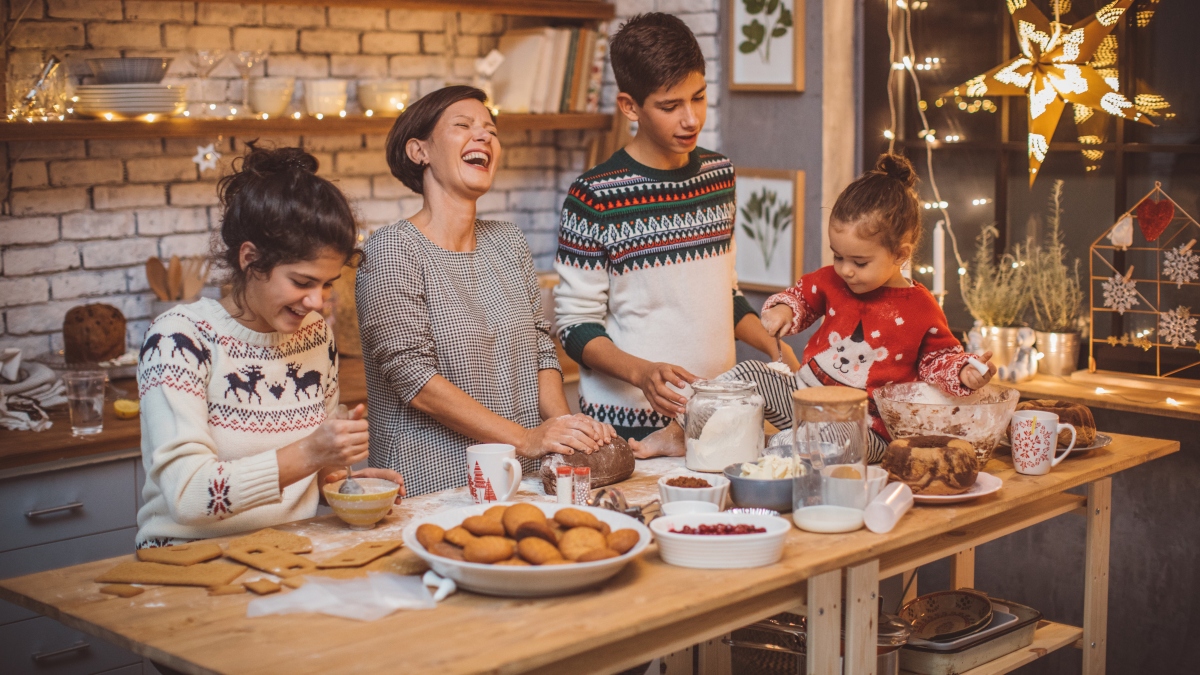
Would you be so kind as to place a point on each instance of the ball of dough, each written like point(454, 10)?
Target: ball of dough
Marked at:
point(537, 551)
point(482, 526)
point(622, 541)
point(488, 550)
point(580, 540)
point(570, 518)
point(521, 513)
point(429, 534)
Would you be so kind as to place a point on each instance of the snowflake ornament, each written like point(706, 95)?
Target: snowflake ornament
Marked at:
point(206, 157)
point(1120, 293)
point(1177, 326)
point(1181, 265)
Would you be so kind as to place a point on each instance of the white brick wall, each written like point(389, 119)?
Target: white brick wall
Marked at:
point(81, 217)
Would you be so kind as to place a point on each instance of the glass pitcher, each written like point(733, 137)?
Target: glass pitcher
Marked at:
point(724, 424)
point(829, 437)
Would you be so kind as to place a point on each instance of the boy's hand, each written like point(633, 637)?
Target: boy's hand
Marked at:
point(777, 320)
point(971, 378)
point(653, 379)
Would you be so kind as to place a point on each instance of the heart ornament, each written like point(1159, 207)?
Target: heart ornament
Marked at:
point(1153, 217)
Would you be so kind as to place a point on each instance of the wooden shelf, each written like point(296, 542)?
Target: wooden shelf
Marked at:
point(1049, 637)
point(555, 9)
point(305, 126)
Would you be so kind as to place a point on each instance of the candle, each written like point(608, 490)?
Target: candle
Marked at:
point(939, 258)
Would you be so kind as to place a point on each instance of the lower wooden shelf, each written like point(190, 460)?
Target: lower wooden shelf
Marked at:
point(1049, 637)
point(305, 126)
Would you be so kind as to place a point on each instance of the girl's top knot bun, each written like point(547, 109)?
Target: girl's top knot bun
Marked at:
point(898, 167)
point(263, 162)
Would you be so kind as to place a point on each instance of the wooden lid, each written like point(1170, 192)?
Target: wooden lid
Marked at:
point(829, 396)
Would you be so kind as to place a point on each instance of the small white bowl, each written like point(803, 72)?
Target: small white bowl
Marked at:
point(715, 494)
point(383, 97)
point(325, 97)
point(689, 506)
point(729, 551)
point(271, 95)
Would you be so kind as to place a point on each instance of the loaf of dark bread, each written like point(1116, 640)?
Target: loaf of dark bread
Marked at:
point(1078, 416)
point(93, 333)
point(612, 463)
point(932, 465)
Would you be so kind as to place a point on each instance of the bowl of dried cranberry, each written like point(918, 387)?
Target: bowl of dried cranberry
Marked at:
point(704, 487)
point(720, 540)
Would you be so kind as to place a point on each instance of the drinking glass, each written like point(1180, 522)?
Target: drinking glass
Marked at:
point(245, 62)
point(204, 61)
point(85, 398)
point(829, 437)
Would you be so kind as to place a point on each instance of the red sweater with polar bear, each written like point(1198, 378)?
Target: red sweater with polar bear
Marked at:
point(872, 339)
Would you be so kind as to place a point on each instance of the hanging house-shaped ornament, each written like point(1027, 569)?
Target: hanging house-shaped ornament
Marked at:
point(1145, 293)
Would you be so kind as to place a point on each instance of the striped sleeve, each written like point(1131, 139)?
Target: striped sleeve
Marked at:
point(581, 297)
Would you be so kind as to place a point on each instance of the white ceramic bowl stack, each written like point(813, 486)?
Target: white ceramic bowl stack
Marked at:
point(383, 97)
point(271, 95)
point(126, 101)
point(325, 97)
point(720, 551)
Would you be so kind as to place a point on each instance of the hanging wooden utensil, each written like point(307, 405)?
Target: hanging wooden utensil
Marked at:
point(193, 282)
point(175, 278)
point(156, 275)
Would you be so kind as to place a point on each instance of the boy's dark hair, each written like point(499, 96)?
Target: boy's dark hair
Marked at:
point(883, 203)
point(418, 121)
point(275, 201)
point(651, 51)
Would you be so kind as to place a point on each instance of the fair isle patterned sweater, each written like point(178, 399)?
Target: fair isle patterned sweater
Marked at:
point(646, 259)
point(217, 401)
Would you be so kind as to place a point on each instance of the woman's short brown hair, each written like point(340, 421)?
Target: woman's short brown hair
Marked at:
point(882, 203)
point(418, 121)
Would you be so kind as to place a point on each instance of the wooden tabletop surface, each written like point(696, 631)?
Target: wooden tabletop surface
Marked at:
point(189, 630)
point(1114, 397)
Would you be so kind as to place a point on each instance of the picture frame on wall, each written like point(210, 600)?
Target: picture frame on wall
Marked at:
point(766, 45)
point(769, 229)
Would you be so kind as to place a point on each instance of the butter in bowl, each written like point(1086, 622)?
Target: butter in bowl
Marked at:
point(765, 484)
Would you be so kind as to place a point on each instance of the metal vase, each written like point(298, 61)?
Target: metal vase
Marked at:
point(1001, 342)
point(1060, 353)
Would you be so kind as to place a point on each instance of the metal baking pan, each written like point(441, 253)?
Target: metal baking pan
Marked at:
point(1001, 620)
point(975, 652)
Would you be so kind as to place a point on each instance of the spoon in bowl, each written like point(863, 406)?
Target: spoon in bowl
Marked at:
point(349, 486)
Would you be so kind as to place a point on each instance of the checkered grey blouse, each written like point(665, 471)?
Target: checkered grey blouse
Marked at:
point(474, 318)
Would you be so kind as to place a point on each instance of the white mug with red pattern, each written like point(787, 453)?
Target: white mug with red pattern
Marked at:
point(493, 472)
point(1034, 435)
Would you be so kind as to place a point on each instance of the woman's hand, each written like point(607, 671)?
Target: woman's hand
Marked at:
point(971, 378)
point(564, 435)
point(653, 379)
point(386, 474)
point(777, 320)
point(338, 442)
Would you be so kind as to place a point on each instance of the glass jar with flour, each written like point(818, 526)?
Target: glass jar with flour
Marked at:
point(724, 424)
point(829, 440)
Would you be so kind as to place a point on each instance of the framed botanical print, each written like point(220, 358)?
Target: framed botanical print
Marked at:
point(766, 45)
point(769, 228)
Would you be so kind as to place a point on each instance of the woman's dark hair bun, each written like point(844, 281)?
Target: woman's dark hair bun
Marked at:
point(262, 161)
point(898, 167)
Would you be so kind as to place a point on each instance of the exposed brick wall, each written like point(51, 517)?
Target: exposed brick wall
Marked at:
point(81, 217)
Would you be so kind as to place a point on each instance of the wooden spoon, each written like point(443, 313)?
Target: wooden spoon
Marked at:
point(193, 277)
point(175, 278)
point(156, 275)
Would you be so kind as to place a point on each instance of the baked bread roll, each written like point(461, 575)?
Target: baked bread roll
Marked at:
point(932, 465)
point(1078, 416)
point(93, 333)
point(612, 463)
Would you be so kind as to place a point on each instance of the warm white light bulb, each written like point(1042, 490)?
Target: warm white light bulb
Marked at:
point(1171, 401)
point(369, 113)
point(320, 116)
point(887, 133)
point(1101, 390)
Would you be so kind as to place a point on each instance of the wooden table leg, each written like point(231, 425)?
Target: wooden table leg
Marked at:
point(824, 623)
point(862, 613)
point(1095, 589)
point(962, 569)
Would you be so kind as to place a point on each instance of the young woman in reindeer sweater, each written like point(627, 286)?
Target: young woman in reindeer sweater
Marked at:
point(238, 395)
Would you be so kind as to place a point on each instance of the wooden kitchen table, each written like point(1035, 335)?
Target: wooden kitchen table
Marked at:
point(648, 610)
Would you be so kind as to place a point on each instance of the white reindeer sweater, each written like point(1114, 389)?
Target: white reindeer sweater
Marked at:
point(217, 401)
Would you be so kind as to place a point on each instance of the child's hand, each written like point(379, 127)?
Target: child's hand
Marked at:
point(971, 378)
point(777, 320)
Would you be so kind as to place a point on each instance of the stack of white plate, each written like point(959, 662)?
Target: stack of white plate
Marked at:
point(120, 101)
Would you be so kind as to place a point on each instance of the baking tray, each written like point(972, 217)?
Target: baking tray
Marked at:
point(1000, 621)
point(1017, 634)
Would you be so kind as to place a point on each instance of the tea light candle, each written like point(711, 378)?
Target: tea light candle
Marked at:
point(939, 258)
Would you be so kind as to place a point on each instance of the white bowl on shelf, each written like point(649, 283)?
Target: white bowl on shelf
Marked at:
point(533, 581)
point(271, 95)
point(715, 494)
point(324, 97)
point(720, 551)
point(383, 97)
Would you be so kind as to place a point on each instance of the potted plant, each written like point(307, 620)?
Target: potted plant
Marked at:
point(1055, 298)
point(995, 294)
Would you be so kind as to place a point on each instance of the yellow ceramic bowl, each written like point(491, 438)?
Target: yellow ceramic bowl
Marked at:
point(361, 512)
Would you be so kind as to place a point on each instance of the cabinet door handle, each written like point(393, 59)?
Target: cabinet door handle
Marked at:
point(42, 657)
point(54, 509)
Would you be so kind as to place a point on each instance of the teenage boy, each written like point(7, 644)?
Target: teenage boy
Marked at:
point(648, 299)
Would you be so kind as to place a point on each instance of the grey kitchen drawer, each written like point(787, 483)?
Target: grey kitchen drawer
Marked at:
point(49, 507)
point(43, 646)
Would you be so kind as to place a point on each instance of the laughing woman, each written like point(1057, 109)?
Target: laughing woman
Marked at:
point(454, 343)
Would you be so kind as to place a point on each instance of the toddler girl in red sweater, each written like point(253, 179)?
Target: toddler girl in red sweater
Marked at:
point(879, 327)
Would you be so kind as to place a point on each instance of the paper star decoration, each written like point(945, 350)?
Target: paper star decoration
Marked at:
point(206, 157)
point(1054, 68)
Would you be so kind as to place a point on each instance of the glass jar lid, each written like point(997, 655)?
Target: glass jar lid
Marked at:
point(724, 386)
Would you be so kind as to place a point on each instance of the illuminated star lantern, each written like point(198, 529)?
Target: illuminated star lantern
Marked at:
point(206, 157)
point(1054, 68)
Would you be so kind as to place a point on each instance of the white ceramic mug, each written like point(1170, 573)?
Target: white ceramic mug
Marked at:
point(1034, 435)
point(493, 472)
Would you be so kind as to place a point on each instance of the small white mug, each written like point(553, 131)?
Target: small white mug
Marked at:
point(1034, 435)
point(493, 472)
